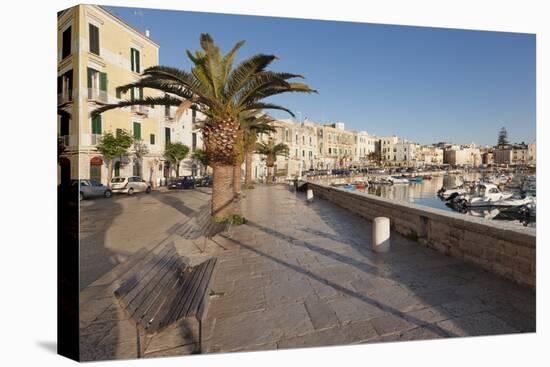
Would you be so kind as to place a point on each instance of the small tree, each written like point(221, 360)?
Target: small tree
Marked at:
point(140, 150)
point(502, 137)
point(112, 146)
point(175, 153)
point(201, 156)
point(271, 151)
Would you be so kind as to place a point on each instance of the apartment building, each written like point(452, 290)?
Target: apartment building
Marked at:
point(97, 53)
point(515, 154)
point(462, 155)
point(429, 154)
point(365, 144)
point(336, 145)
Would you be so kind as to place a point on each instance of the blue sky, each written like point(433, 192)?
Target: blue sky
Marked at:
point(424, 84)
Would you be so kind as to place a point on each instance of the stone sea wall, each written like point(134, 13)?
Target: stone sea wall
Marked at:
point(499, 247)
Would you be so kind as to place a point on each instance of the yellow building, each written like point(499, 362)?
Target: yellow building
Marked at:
point(98, 52)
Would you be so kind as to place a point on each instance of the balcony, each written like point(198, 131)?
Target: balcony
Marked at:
point(95, 139)
point(97, 95)
point(140, 110)
point(63, 98)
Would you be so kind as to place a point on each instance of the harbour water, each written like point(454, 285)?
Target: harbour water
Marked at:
point(425, 193)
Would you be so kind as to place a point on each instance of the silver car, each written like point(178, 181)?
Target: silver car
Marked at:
point(90, 188)
point(130, 185)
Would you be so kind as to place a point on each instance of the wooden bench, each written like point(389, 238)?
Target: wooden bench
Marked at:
point(166, 290)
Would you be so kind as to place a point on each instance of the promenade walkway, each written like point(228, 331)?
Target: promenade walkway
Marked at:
point(300, 275)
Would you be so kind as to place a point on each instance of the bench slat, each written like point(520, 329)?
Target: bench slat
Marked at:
point(201, 270)
point(132, 281)
point(144, 281)
point(202, 290)
point(157, 285)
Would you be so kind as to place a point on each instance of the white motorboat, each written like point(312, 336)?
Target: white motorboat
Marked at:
point(398, 180)
point(450, 194)
point(484, 195)
point(514, 202)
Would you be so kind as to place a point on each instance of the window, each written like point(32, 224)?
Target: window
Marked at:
point(66, 43)
point(152, 139)
point(134, 60)
point(137, 132)
point(64, 125)
point(303, 153)
point(94, 39)
point(97, 80)
point(193, 114)
point(117, 169)
point(167, 110)
point(136, 171)
point(167, 135)
point(65, 86)
point(136, 92)
point(96, 124)
point(194, 142)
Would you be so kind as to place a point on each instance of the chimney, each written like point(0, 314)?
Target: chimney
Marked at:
point(147, 33)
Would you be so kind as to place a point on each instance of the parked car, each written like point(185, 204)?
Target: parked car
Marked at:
point(205, 181)
point(129, 185)
point(185, 182)
point(89, 188)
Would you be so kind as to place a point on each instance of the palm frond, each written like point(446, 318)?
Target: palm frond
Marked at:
point(266, 106)
point(242, 73)
point(166, 100)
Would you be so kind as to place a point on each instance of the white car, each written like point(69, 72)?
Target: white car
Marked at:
point(129, 185)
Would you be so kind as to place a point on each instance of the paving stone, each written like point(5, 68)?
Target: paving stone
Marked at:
point(351, 309)
point(260, 327)
point(482, 323)
point(322, 316)
point(428, 315)
point(238, 301)
point(181, 334)
point(285, 292)
point(340, 335)
point(389, 324)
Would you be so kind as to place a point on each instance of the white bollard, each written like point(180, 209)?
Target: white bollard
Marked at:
point(381, 234)
point(309, 194)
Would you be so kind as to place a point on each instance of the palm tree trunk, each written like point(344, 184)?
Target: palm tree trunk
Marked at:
point(248, 170)
point(222, 191)
point(237, 179)
point(177, 169)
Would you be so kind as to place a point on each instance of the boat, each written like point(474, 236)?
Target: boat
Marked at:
point(427, 177)
point(360, 184)
point(398, 180)
point(416, 179)
point(349, 187)
point(485, 195)
point(449, 194)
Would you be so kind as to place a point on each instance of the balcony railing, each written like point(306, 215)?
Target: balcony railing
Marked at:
point(95, 139)
point(65, 140)
point(97, 95)
point(63, 98)
point(141, 110)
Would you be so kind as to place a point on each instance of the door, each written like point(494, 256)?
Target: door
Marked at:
point(95, 169)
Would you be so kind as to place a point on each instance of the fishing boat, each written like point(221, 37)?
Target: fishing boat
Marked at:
point(360, 184)
point(427, 177)
point(398, 180)
point(349, 187)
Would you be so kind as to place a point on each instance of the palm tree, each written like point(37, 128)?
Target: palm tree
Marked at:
point(201, 156)
point(271, 151)
point(220, 92)
point(253, 123)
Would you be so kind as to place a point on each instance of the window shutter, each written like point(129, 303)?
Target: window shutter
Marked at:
point(103, 81)
point(132, 94)
point(140, 93)
point(96, 124)
point(137, 130)
point(66, 46)
point(94, 39)
point(137, 61)
point(90, 76)
point(59, 84)
point(118, 94)
point(132, 59)
point(152, 139)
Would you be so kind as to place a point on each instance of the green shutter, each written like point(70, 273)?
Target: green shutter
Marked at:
point(137, 61)
point(152, 140)
point(140, 93)
point(137, 130)
point(132, 94)
point(118, 94)
point(96, 124)
point(90, 75)
point(103, 81)
point(132, 59)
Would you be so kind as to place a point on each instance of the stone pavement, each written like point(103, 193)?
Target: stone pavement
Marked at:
point(301, 275)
